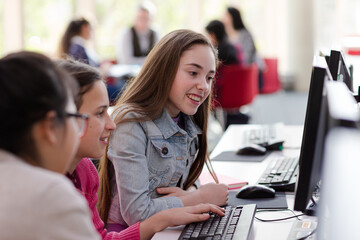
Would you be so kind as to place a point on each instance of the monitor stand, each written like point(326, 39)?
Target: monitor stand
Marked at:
point(312, 206)
point(357, 95)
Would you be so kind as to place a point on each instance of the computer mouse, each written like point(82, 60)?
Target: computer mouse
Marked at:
point(252, 149)
point(276, 145)
point(256, 191)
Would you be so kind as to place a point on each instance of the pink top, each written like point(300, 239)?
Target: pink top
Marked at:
point(86, 180)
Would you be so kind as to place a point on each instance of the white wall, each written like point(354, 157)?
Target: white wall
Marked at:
point(12, 21)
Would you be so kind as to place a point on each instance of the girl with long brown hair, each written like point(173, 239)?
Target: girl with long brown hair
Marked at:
point(159, 147)
point(93, 102)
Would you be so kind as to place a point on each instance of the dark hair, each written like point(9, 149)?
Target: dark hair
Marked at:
point(84, 74)
point(73, 29)
point(31, 85)
point(218, 29)
point(236, 18)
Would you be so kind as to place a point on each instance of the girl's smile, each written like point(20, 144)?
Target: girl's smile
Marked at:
point(193, 80)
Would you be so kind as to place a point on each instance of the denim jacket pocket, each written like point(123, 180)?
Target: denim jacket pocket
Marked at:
point(163, 148)
point(160, 162)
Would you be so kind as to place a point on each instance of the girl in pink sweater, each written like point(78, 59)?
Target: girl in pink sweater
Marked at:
point(93, 101)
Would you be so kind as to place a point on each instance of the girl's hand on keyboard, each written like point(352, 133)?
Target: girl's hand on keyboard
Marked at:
point(177, 216)
point(197, 213)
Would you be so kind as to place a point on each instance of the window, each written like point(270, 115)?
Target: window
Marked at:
point(113, 15)
point(1, 31)
point(44, 24)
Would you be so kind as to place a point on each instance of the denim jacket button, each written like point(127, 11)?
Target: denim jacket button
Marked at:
point(165, 150)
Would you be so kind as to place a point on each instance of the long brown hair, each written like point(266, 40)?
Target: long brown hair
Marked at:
point(85, 75)
point(148, 94)
point(73, 29)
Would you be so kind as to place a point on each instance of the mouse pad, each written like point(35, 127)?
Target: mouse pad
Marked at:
point(232, 156)
point(278, 202)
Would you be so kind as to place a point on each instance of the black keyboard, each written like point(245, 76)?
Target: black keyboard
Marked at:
point(263, 134)
point(236, 224)
point(281, 173)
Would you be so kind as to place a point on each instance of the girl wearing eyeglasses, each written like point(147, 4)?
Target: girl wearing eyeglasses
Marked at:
point(92, 101)
point(159, 147)
point(39, 135)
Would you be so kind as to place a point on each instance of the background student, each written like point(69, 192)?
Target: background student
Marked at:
point(75, 42)
point(240, 35)
point(39, 136)
point(93, 101)
point(136, 42)
point(227, 53)
point(160, 138)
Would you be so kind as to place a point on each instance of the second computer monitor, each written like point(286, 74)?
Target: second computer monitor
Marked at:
point(337, 108)
point(339, 69)
point(339, 204)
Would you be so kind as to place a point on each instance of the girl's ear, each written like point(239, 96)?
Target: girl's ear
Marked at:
point(46, 130)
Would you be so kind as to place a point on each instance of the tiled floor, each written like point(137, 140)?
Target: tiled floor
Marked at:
point(286, 107)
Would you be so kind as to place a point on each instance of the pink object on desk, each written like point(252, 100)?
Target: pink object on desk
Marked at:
point(232, 182)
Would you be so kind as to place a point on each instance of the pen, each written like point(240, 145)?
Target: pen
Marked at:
point(237, 185)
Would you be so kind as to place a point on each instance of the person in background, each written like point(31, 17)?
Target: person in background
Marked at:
point(92, 100)
point(228, 55)
point(40, 131)
point(74, 43)
point(159, 147)
point(239, 35)
point(227, 52)
point(136, 42)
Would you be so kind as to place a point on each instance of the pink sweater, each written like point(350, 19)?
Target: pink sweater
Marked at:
point(86, 180)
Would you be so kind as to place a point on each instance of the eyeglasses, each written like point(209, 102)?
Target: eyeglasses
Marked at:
point(82, 121)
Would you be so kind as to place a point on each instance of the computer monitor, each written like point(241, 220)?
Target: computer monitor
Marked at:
point(305, 184)
point(339, 204)
point(327, 58)
point(342, 109)
point(339, 69)
point(334, 60)
point(337, 108)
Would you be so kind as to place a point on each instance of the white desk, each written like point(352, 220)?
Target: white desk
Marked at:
point(251, 171)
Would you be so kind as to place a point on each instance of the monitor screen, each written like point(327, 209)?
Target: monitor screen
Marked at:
point(339, 69)
point(338, 108)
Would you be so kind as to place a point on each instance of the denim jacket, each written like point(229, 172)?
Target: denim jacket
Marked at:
point(148, 155)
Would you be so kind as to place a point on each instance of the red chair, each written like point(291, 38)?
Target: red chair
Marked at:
point(237, 86)
point(271, 82)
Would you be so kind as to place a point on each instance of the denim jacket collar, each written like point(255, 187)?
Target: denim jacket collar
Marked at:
point(168, 127)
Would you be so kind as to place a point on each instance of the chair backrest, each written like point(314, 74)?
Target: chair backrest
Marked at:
point(271, 82)
point(239, 86)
